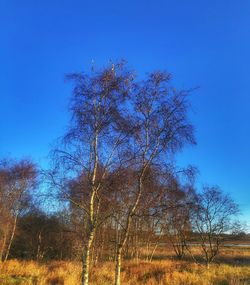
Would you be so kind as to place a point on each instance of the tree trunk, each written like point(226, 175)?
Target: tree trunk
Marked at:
point(11, 239)
point(153, 252)
point(38, 253)
point(136, 242)
point(3, 247)
point(86, 259)
point(118, 266)
point(156, 245)
point(92, 219)
point(126, 232)
point(148, 249)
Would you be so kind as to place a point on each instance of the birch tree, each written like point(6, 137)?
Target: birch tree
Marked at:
point(160, 116)
point(180, 201)
point(99, 126)
point(17, 179)
point(213, 216)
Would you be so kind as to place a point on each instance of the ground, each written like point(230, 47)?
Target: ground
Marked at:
point(231, 268)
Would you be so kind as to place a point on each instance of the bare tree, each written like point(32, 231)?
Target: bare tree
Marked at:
point(178, 217)
point(213, 217)
point(98, 129)
point(17, 179)
point(161, 128)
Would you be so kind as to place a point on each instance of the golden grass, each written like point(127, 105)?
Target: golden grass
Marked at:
point(30, 272)
point(163, 272)
point(158, 272)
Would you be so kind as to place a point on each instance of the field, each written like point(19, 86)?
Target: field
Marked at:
point(231, 268)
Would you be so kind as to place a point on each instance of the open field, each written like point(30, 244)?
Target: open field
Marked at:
point(231, 268)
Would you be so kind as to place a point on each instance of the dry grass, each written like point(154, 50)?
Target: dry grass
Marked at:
point(30, 272)
point(164, 272)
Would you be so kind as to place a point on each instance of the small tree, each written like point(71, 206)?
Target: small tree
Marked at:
point(213, 217)
point(17, 179)
point(178, 217)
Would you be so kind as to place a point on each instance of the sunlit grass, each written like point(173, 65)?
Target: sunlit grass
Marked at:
point(159, 272)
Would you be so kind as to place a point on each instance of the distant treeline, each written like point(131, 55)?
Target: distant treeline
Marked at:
point(42, 237)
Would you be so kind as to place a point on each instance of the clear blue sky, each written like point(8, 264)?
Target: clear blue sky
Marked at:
point(203, 43)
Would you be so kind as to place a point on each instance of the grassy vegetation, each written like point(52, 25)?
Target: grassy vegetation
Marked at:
point(233, 268)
